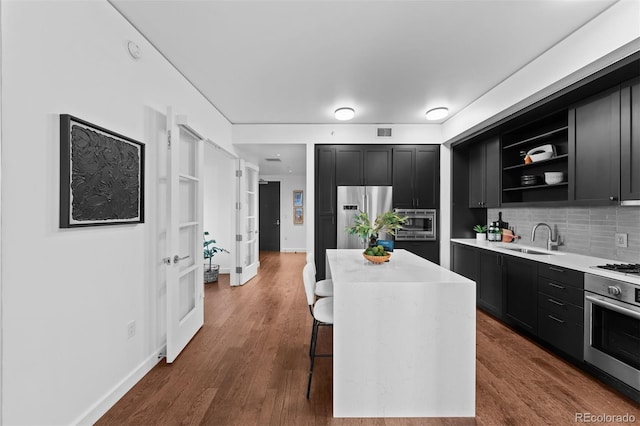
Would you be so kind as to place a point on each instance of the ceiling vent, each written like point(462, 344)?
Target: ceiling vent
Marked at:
point(275, 160)
point(384, 132)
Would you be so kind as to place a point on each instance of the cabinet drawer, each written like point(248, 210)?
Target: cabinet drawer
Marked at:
point(561, 333)
point(563, 275)
point(561, 291)
point(560, 308)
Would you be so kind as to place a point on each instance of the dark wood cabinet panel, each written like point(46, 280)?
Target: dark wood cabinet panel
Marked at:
point(484, 174)
point(594, 150)
point(465, 261)
point(403, 172)
point(425, 249)
point(562, 334)
point(377, 166)
point(489, 283)
point(325, 238)
point(416, 176)
point(349, 165)
point(521, 289)
point(325, 180)
point(427, 177)
point(630, 141)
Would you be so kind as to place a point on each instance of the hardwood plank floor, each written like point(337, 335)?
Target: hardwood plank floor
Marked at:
point(248, 365)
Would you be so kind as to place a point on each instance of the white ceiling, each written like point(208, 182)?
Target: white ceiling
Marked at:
point(285, 62)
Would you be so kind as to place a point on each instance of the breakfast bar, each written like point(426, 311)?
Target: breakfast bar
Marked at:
point(404, 337)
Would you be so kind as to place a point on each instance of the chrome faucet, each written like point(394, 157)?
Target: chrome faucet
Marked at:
point(552, 244)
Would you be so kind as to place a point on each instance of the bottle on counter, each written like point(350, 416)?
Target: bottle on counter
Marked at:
point(494, 232)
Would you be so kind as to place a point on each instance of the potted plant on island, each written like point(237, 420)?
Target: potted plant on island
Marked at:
point(481, 232)
point(388, 222)
point(211, 271)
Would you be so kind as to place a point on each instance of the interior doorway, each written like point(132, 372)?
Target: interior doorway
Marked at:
point(269, 213)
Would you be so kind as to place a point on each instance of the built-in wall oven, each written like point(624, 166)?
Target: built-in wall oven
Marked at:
point(420, 225)
point(612, 327)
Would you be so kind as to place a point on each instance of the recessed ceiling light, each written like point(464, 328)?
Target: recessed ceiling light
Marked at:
point(437, 113)
point(344, 114)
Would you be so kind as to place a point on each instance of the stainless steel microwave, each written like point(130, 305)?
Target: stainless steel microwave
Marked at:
point(419, 226)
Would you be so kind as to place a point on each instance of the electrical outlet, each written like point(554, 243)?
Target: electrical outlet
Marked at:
point(131, 329)
point(621, 240)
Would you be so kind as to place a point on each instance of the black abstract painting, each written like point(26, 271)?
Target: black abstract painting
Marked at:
point(101, 176)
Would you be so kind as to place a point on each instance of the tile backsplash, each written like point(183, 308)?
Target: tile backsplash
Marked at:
point(583, 230)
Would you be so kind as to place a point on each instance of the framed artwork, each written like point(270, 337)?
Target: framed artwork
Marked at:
point(297, 198)
point(101, 176)
point(298, 215)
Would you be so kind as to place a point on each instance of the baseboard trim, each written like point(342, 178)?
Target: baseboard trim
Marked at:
point(100, 407)
point(293, 250)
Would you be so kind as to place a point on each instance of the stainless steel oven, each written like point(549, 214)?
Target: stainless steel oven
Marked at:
point(419, 226)
point(612, 327)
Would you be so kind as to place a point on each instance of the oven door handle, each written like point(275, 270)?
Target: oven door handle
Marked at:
point(608, 305)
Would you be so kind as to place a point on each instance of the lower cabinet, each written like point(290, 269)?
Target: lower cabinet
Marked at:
point(489, 282)
point(429, 250)
point(520, 292)
point(541, 299)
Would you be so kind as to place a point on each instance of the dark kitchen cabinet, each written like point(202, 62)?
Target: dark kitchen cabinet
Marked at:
point(484, 174)
point(594, 149)
point(630, 141)
point(560, 309)
point(325, 200)
point(416, 176)
point(429, 250)
point(465, 260)
point(520, 293)
point(489, 282)
point(363, 165)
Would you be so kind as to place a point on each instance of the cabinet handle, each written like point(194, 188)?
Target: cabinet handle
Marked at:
point(556, 319)
point(556, 286)
point(556, 269)
point(555, 302)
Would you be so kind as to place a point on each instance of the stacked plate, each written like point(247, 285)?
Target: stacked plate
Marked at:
point(527, 180)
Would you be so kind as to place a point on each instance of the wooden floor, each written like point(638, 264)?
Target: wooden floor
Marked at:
point(248, 365)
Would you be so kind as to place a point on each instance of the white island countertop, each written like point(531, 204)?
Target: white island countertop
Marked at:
point(404, 337)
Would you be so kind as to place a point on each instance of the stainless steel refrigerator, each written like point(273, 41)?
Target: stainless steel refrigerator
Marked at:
point(354, 199)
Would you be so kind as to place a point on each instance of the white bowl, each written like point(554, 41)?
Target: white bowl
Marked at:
point(551, 178)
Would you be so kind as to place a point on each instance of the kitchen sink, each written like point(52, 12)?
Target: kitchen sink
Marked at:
point(526, 250)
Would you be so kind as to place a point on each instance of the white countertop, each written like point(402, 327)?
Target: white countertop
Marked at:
point(561, 259)
point(348, 265)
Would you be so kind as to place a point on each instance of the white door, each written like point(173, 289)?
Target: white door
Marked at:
point(184, 261)
point(247, 223)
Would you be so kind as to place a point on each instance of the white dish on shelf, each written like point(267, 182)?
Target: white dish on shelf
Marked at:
point(551, 178)
point(543, 152)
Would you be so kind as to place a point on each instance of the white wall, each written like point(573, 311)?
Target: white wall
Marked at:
point(293, 238)
point(219, 214)
point(68, 295)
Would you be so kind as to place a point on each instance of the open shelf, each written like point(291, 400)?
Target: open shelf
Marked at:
point(552, 129)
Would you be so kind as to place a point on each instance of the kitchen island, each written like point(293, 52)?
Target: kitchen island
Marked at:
point(403, 337)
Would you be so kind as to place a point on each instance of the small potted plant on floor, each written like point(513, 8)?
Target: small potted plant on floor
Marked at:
point(481, 232)
point(210, 270)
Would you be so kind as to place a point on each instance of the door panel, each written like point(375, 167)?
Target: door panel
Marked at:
point(247, 223)
point(269, 216)
point(185, 284)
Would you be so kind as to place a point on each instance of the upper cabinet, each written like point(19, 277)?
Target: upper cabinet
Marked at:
point(363, 165)
point(594, 149)
point(630, 141)
point(416, 176)
point(530, 151)
point(484, 174)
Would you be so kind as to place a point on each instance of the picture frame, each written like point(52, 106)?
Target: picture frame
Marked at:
point(298, 215)
point(298, 200)
point(101, 176)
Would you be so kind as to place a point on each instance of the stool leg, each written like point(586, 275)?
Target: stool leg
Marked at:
point(314, 340)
